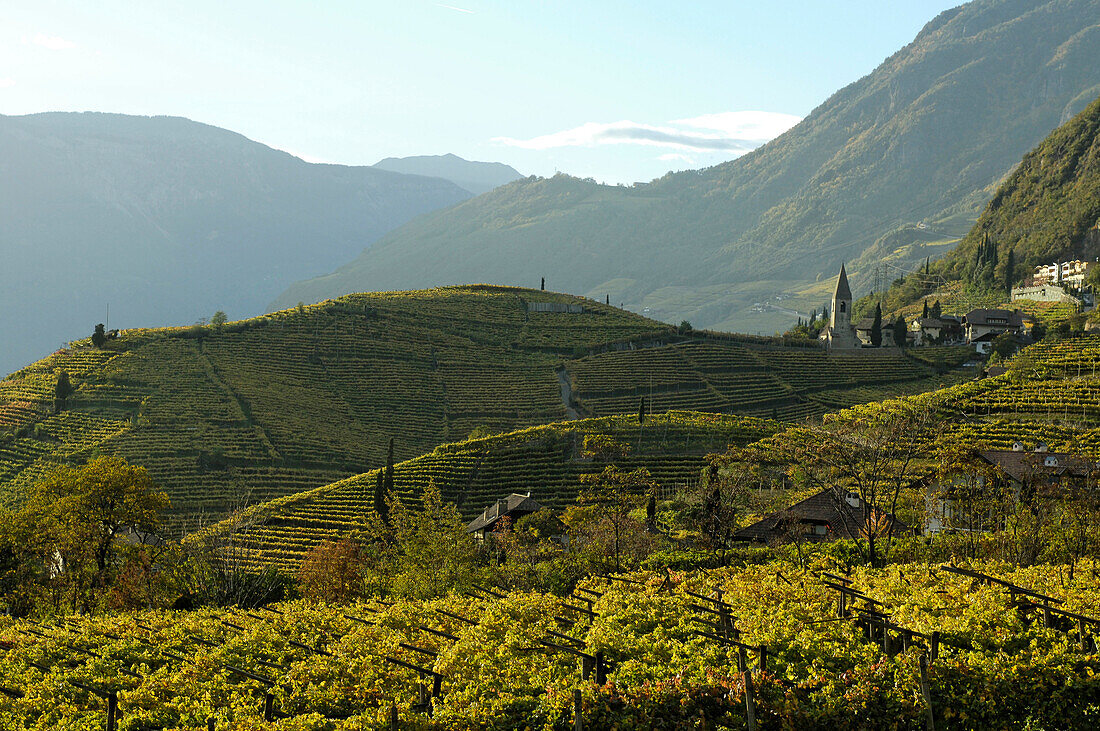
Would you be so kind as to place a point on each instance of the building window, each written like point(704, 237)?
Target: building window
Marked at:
point(842, 307)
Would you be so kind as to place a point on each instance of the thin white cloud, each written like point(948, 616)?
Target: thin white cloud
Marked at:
point(736, 132)
point(743, 125)
point(676, 157)
point(54, 43)
point(7, 83)
point(452, 7)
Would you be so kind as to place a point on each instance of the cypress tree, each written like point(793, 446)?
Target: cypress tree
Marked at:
point(387, 483)
point(924, 313)
point(651, 513)
point(99, 336)
point(926, 259)
point(1010, 270)
point(61, 391)
point(899, 332)
point(876, 328)
point(641, 410)
point(543, 285)
point(936, 309)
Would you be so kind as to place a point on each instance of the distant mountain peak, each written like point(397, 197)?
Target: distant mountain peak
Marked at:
point(476, 177)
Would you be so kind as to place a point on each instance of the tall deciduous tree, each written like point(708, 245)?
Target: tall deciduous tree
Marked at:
point(79, 515)
point(607, 525)
point(873, 453)
point(436, 554)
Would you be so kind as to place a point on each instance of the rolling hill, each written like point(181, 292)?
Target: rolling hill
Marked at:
point(166, 220)
point(1051, 395)
point(475, 177)
point(923, 139)
point(260, 408)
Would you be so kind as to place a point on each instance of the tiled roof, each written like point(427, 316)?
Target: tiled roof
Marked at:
point(824, 507)
point(1025, 466)
point(994, 318)
point(512, 505)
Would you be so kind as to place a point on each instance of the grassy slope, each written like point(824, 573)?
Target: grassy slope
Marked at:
point(1051, 395)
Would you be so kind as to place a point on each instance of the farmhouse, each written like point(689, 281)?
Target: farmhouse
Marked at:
point(982, 326)
point(830, 514)
point(514, 507)
point(953, 506)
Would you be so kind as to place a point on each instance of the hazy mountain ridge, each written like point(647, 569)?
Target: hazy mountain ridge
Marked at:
point(475, 177)
point(938, 123)
point(168, 220)
point(1047, 210)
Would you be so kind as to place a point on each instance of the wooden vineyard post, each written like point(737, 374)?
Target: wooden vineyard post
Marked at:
point(578, 721)
point(746, 675)
point(112, 711)
point(601, 668)
point(393, 716)
point(269, 706)
point(926, 692)
point(934, 650)
point(210, 722)
point(841, 610)
point(762, 659)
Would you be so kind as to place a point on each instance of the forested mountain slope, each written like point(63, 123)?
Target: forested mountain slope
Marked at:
point(166, 220)
point(923, 138)
point(1048, 210)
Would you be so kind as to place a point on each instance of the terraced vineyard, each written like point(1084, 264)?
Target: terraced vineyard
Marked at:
point(225, 417)
point(546, 461)
point(1050, 395)
point(731, 377)
point(301, 398)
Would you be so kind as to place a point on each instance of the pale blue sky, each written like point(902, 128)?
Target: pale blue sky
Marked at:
point(569, 85)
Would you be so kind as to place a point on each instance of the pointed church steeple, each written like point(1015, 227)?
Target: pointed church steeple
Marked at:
point(843, 291)
point(840, 333)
